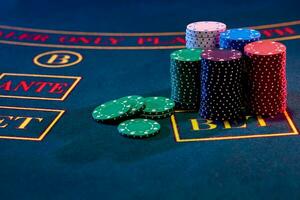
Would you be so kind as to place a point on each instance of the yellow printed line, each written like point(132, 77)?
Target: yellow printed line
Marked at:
point(71, 88)
point(40, 75)
point(285, 38)
point(51, 125)
point(175, 128)
point(29, 97)
point(20, 138)
point(47, 31)
point(236, 137)
point(276, 25)
point(33, 109)
point(291, 123)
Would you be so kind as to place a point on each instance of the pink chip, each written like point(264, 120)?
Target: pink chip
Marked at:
point(207, 26)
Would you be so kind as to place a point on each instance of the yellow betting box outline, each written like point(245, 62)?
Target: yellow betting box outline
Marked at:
point(178, 139)
point(76, 78)
point(44, 133)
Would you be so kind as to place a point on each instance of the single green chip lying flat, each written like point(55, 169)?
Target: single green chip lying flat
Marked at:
point(139, 128)
point(111, 110)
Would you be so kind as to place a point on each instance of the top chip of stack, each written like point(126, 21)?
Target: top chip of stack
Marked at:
point(205, 28)
point(238, 38)
point(204, 35)
point(158, 108)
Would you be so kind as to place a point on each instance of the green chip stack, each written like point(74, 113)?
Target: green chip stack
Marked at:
point(185, 78)
point(158, 108)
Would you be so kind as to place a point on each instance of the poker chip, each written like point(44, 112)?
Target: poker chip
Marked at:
point(221, 84)
point(139, 128)
point(136, 102)
point(162, 116)
point(187, 106)
point(201, 44)
point(185, 78)
point(111, 111)
point(128, 107)
point(266, 77)
point(206, 28)
point(238, 38)
point(265, 48)
point(186, 55)
point(158, 106)
point(204, 34)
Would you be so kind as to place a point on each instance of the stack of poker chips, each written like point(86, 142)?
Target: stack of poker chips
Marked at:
point(158, 108)
point(221, 84)
point(185, 78)
point(267, 85)
point(135, 114)
point(238, 38)
point(204, 35)
point(134, 106)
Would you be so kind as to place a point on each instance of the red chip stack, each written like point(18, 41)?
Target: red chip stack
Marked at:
point(266, 73)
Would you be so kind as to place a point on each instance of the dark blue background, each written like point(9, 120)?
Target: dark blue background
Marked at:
point(80, 159)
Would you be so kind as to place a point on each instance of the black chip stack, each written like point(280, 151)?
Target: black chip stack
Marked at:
point(185, 78)
point(221, 84)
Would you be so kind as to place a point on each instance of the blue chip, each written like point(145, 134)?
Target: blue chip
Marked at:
point(238, 38)
point(241, 34)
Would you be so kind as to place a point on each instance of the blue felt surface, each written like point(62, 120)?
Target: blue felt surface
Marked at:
point(80, 159)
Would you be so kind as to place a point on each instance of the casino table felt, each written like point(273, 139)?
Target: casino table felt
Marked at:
point(61, 59)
